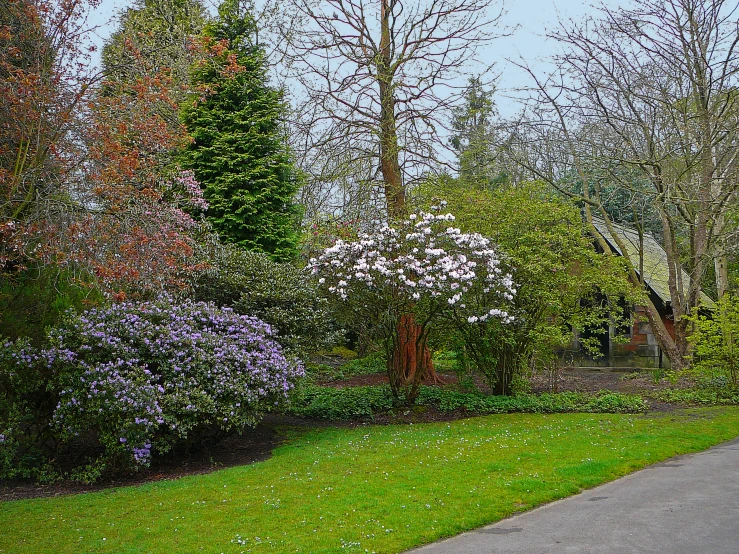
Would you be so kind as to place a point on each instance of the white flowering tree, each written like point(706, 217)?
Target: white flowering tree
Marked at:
point(402, 282)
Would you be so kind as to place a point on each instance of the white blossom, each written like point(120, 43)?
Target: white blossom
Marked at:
point(424, 258)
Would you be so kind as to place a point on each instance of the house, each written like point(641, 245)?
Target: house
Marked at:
point(640, 348)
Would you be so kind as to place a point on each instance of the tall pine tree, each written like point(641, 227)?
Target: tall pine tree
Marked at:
point(238, 152)
point(473, 138)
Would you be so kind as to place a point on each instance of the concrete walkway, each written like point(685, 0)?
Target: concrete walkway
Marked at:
point(688, 504)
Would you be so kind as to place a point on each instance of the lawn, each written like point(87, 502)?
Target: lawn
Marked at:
point(368, 489)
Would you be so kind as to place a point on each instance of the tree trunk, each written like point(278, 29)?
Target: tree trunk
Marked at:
point(504, 376)
point(389, 151)
point(674, 349)
point(411, 360)
point(409, 363)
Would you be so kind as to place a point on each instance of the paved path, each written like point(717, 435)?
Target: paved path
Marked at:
point(688, 504)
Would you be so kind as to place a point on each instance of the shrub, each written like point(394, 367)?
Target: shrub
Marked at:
point(716, 351)
point(25, 404)
point(448, 400)
point(368, 365)
point(33, 299)
point(699, 396)
point(328, 403)
point(363, 402)
point(371, 364)
point(278, 293)
point(137, 378)
point(400, 283)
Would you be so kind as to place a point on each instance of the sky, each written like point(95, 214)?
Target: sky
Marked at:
point(530, 18)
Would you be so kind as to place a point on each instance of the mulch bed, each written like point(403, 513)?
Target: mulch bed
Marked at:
point(257, 444)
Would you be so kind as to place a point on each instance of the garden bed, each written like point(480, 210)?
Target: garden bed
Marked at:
point(257, 444)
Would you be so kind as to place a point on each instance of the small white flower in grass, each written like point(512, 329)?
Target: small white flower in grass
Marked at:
point(473, 319)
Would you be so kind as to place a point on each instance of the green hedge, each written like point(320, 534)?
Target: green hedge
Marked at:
point(328, 403)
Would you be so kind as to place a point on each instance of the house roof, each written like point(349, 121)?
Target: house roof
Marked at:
point(656, 272)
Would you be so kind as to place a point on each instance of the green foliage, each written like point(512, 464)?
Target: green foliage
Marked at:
point(239, 153)
point(372, 364)
point(34, 299)
point(449, 400)
point(348, 403)
point(713, 396)
point(343, 352)
point(562, 283)
point(328, 403)
point(715, 347)
point(473, 137)
point(154, 37)
point(277, 293)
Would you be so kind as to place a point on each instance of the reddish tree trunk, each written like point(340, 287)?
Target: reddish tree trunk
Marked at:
point(410, 362)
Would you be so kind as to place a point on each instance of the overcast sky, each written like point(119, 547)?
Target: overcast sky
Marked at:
point(531, 17)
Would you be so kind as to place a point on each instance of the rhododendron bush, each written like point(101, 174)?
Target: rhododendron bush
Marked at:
point(404, 283)
point(138, 378)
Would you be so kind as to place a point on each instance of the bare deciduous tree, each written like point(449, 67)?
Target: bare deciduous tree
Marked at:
point(651, 91)
point(380, 76)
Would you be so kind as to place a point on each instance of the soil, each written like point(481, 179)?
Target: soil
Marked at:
point(257, 444)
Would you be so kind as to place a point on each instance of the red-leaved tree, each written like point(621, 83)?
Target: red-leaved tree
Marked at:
point(87, 182)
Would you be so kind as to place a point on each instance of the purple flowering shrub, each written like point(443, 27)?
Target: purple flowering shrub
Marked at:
point(146, 376)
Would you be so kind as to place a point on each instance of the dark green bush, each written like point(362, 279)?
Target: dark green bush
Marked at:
point(279, 294)
point(34, 299)
point(447, 400)
point(25, 403)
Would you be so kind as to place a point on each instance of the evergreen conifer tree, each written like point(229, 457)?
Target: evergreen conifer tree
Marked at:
point(473, 138)
point(238, 152)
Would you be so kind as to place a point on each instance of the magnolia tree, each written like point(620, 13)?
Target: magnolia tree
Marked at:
point(400, 284)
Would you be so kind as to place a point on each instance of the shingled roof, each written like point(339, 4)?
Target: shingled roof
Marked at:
point(656, 272)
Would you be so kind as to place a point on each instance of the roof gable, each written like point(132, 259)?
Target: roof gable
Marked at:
point(656, 272)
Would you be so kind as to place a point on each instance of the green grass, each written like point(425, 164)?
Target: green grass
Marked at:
point(373, 488)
